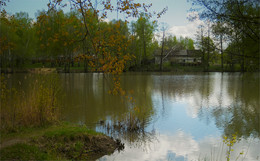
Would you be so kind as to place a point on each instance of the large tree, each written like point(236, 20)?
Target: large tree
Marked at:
point(219, 31)
point(207, 47)
point(143, 31)
point(242, 19)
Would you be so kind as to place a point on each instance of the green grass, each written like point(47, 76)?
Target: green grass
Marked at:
point(23, 151)
point(62, 129)
point(77, 67)
point(44, 143)
point(167, 66)
point(35, 65)
point(215, 68)
point(67, 130)
point(182, 68)
point(23, 133)
point(226, 68)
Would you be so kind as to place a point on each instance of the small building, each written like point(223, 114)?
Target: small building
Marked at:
point(191, 57)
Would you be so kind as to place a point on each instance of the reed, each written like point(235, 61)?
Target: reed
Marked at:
point(36, 106)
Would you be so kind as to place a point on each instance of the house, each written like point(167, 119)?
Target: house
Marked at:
point(190, 57)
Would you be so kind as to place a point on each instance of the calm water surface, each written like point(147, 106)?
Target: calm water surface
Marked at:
point(186, 114)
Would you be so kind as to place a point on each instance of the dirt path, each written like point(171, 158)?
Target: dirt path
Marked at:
point(21, 137)
point(12, 142)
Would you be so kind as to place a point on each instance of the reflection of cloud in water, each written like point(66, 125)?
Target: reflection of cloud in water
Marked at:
point(210, 94)
point(179, 144)
point(218, 97)
point(182, 146)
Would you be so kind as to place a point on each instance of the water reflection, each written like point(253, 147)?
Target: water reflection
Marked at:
point(186, 114)
point(238, 119)
point(182, 146)
point(87, 99)
point(230, 100)
point(135, 139)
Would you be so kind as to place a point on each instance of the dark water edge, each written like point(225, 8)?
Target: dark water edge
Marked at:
point(146, 68)
point(60, 70)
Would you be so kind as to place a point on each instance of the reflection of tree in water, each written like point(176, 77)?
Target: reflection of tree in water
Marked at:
point(243, 116)
point(231, 99)
point(238, 119)
point(118, 124)
point(87, 99)
point(205, 89)
point(138, 138)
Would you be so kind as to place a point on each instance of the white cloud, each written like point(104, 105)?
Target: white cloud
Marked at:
point(188, 30)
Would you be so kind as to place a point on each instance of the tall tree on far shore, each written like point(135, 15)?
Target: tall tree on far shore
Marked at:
point(144, 29)
point(220, 33)
point(207, 47)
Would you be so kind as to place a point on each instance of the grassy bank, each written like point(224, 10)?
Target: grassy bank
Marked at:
point(56, 142)
point(167, 67)
point(31, 129)
point(198, 68)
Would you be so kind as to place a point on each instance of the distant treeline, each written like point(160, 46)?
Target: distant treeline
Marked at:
point(58, 39)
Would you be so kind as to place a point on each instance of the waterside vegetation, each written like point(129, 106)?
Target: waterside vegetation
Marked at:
point(57, 142)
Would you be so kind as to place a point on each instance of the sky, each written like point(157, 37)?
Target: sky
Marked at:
point(175, 17)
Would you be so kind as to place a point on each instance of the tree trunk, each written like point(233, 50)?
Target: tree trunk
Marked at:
point(161, 61)
point(221, 50)
point(144, 43)
point(243, 61)
point(208, 51)
point(85, 66)
point(69, 61)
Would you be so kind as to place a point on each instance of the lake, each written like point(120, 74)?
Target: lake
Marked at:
point(186, 115)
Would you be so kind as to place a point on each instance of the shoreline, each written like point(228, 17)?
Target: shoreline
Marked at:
point(58, 70)
point(57, 142)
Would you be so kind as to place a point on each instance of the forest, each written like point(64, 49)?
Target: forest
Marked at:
point(59, 39)
point(82, 39)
